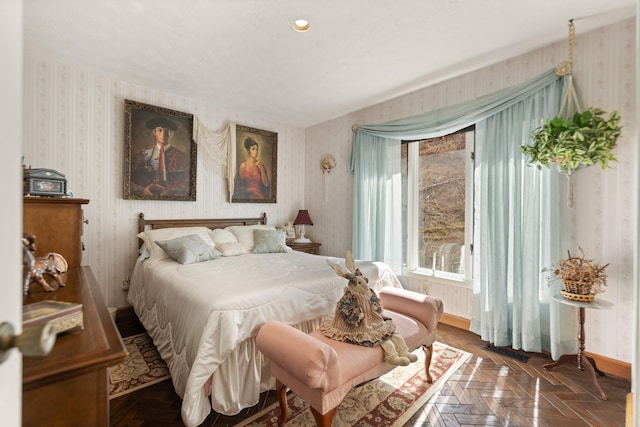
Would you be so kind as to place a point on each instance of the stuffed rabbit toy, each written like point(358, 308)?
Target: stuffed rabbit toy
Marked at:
point(358, 318)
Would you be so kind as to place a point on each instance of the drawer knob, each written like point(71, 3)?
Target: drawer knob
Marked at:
point(34, 341)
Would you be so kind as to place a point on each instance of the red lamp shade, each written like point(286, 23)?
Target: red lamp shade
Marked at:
point(303, 218)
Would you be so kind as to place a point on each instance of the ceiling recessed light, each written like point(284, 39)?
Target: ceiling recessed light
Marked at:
point(301, 25)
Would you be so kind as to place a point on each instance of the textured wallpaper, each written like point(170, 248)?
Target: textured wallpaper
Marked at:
point(603, 219)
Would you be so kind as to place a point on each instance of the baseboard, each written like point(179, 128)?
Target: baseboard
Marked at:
point(605, 364)
point(455, 321)
point(612, 366)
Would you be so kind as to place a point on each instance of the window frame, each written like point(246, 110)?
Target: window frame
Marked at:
point(411, 266)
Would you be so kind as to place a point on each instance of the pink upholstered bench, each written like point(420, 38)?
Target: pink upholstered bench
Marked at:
point(322, 371)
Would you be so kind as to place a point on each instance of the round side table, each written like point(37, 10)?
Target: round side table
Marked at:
point(584, 362)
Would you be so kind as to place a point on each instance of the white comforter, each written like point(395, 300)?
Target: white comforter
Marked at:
point(203, 318)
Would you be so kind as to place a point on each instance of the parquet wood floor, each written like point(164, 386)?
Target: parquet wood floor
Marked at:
point(489, 390)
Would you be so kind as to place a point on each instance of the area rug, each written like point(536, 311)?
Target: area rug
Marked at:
point(390, 400)
point(142, 367)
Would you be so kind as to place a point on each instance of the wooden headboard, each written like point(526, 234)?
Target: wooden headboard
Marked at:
point(146, 224)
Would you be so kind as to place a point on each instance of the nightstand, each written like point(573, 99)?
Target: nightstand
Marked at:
point(310, 248)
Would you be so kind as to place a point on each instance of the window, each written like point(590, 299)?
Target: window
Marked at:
point(437, 187)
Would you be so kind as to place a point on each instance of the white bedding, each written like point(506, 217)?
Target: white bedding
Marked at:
point(203, 318)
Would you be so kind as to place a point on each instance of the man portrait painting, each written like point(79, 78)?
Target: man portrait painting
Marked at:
point(158, 168)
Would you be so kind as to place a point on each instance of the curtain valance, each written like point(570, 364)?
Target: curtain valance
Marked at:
point(450, 119)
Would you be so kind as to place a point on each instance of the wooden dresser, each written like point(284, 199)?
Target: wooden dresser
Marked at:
point(57, 224)
point(69, 387)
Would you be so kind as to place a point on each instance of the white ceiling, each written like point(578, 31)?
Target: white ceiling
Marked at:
point(243, 54)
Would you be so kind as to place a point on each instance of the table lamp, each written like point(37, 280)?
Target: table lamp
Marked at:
point(302, 219)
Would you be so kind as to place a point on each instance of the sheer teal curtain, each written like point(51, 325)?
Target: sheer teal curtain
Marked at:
point(517, 233)
point(378, 199)
point(375, 163)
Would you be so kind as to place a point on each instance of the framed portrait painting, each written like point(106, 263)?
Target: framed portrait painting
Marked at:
point(160, 154)
point(256, 163)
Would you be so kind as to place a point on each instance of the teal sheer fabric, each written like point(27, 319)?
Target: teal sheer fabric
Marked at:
point(453, 118)
point(377, 204)
point(517, 233)
point(517, 217)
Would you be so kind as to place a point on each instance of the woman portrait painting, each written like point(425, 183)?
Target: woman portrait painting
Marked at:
point(255, 174)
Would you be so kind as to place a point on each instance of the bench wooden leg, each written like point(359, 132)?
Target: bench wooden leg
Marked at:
point(428, 353)
point(281, 392)
point(322, 420)
point(326, 419)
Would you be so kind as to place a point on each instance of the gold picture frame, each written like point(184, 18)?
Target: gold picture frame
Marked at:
point(150, 172)
point(256, 177)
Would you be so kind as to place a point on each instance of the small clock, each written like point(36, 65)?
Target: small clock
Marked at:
point(44, 182)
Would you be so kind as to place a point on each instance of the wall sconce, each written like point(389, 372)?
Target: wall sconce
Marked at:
point(302, 219)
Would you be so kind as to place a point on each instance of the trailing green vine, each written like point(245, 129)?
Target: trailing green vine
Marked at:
point(586, 139)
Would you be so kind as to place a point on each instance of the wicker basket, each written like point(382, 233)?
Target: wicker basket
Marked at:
point(582, 278)
point(578, 297)
point(578, 290)
point(580, 287)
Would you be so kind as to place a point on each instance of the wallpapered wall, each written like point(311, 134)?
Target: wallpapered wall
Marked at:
point(603, 218)
point(74, 123)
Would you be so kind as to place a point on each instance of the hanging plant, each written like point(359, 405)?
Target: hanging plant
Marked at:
point(571, 142)
point(586, 139)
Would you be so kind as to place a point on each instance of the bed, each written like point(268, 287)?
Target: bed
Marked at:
point(203, 308)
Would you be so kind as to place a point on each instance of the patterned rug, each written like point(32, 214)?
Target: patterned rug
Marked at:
point(388, 401)
point(142, 367)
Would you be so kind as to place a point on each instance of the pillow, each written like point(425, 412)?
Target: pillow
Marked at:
point(144, 252)
point(232, 248)
point(220, 235)
point(268, 241)
point(244, 233)
point(189, 249)
point(150, 236)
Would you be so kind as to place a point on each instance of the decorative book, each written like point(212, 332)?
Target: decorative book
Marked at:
point(63, 315)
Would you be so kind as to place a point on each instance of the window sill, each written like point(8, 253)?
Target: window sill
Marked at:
point(428, 278)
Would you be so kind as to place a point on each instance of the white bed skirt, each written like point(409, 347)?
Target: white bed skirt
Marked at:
point(236, 384)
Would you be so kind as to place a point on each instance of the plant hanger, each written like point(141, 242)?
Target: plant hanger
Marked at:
point(570, 102)
point(575, 138)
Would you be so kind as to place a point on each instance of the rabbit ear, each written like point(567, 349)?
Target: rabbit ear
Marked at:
point(350, 263)
point(337, 268)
